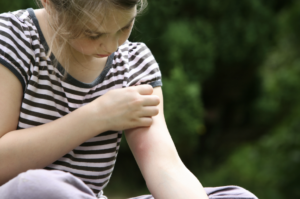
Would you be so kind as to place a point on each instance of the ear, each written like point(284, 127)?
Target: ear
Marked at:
point(46, 5)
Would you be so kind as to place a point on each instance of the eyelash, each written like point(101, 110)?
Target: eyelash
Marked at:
point(98, 36)
point(95, 37)
point(126, 28)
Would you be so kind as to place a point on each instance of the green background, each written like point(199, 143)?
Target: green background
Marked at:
point(231, 75)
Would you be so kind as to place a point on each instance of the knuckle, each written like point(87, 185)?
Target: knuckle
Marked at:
point(130, 89)
point(137, 101)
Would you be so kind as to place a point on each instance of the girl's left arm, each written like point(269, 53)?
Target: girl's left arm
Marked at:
point(165, 174)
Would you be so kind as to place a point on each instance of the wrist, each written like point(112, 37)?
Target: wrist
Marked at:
point(94, 117)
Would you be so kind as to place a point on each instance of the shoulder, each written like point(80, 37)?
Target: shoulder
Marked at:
point(140, 63)
point(18, 37)
point(11, 19)
point(16, 23)
point(136, 53)
point(17, 30)
point(134, 49)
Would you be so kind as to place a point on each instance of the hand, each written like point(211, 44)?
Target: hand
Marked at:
point(127, 108)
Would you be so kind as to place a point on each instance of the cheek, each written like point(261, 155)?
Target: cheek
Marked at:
point(124, 36)
point(84, 46)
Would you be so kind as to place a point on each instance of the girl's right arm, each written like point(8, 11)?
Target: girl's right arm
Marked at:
point(39, 146)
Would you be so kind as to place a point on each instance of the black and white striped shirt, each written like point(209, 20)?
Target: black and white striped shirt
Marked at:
point(47, 96)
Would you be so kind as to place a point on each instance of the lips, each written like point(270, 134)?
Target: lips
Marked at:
point(99, 55)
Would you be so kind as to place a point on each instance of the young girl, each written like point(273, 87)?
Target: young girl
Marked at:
point(63, 113)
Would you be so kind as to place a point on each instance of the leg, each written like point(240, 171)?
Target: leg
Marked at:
point(143, 197)
point(229, 192)
point(37, 184)
point(226, 192)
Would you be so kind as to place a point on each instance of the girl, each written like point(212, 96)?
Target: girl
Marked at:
point(63, 113)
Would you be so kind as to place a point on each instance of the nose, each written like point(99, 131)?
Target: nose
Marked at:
point(110, 44)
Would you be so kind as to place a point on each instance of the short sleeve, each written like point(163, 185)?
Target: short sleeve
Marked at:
point(15, 47)
point(143, 68)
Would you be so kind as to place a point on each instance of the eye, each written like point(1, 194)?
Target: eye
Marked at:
point(92, 36)
point(127, 27)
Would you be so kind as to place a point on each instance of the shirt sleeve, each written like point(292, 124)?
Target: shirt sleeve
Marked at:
point(15, 47)
point(143, 68)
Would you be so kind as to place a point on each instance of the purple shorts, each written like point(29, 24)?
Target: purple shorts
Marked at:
point(44, 184)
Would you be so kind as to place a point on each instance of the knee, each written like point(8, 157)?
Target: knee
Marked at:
point(233, 192)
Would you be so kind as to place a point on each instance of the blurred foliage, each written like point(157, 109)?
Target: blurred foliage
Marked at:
point(185, 109)
point(13, 5)
point(231, 74)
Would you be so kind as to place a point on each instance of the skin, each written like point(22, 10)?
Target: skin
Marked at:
point(105, 39)
point(92, 48)
point(101, 38)
point(138, 109)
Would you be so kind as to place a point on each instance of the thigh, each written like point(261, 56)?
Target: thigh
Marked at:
point(143, 197)
point(37, 184)
point(228, 192)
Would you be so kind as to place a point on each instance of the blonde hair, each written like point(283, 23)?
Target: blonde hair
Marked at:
point(69, 18)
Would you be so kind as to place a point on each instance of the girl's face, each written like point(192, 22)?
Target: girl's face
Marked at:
point(101, 41)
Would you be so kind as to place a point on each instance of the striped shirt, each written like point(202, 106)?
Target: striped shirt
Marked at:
point(48, 96)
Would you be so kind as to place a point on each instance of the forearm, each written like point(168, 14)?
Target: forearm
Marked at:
point(155, 153)
point(39, 146)
point(165, 174)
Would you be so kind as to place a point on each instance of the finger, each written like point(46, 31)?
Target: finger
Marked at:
point(150, 100)
point(145, 89)
point(145, 121)
point(149, 111)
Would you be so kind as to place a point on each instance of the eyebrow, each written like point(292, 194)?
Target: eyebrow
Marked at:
point(100, 33)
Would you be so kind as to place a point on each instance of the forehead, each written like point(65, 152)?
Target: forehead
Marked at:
point(113, 20)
